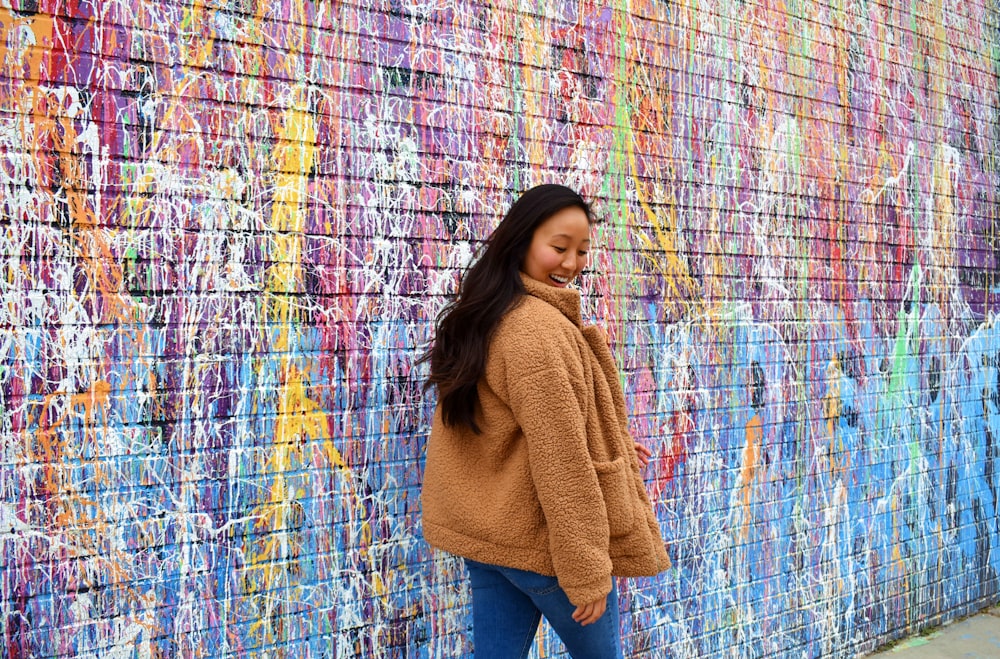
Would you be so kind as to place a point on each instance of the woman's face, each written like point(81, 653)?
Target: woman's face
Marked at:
point(559, 248)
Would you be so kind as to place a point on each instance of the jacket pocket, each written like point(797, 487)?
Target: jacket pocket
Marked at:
point(615, 479)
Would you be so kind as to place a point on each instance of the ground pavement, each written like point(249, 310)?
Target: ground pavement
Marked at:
point(977, 637)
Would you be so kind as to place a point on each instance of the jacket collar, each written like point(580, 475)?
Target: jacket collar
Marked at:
point(566, 300)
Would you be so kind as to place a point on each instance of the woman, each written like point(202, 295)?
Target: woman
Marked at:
point(531, 473)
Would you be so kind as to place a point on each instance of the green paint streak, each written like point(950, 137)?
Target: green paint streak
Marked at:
point(907, 346)
point(518, 118)
point(618, 172)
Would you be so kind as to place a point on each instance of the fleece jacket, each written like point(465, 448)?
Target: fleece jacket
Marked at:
point(552, 483)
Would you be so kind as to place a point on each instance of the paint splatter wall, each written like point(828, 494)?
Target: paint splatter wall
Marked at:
point(226, 227)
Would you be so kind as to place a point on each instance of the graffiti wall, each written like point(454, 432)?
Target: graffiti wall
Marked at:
point(226, 227)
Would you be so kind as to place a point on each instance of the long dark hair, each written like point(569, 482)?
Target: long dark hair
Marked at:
point(487, 291)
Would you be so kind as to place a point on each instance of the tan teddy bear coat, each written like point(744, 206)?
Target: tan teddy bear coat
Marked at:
point(552, 484)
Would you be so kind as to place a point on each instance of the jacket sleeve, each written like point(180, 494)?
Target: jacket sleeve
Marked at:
point(547, 393)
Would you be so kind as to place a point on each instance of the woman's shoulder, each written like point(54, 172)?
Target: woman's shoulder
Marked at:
point(530, 314)
point(532, 337)
point(532, 326)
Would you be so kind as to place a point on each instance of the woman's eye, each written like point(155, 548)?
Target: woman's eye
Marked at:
point(559, 250)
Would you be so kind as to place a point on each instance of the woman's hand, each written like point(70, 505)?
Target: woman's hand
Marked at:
point(591, 612)
point(644, 455)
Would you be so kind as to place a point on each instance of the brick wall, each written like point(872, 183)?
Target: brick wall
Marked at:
point(226, 226)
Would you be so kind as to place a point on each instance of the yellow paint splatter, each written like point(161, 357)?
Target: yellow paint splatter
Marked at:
point(664, 254)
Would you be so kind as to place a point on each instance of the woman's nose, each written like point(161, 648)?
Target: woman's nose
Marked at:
point(575, 262)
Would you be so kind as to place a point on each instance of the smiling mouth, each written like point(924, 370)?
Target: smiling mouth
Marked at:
point(560, 280)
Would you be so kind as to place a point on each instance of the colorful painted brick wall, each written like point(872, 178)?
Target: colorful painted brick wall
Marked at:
point(226, 227)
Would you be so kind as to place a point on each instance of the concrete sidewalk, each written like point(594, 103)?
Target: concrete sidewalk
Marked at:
point(977, 637)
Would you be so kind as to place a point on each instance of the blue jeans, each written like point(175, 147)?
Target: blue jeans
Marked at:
point(507, 605)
